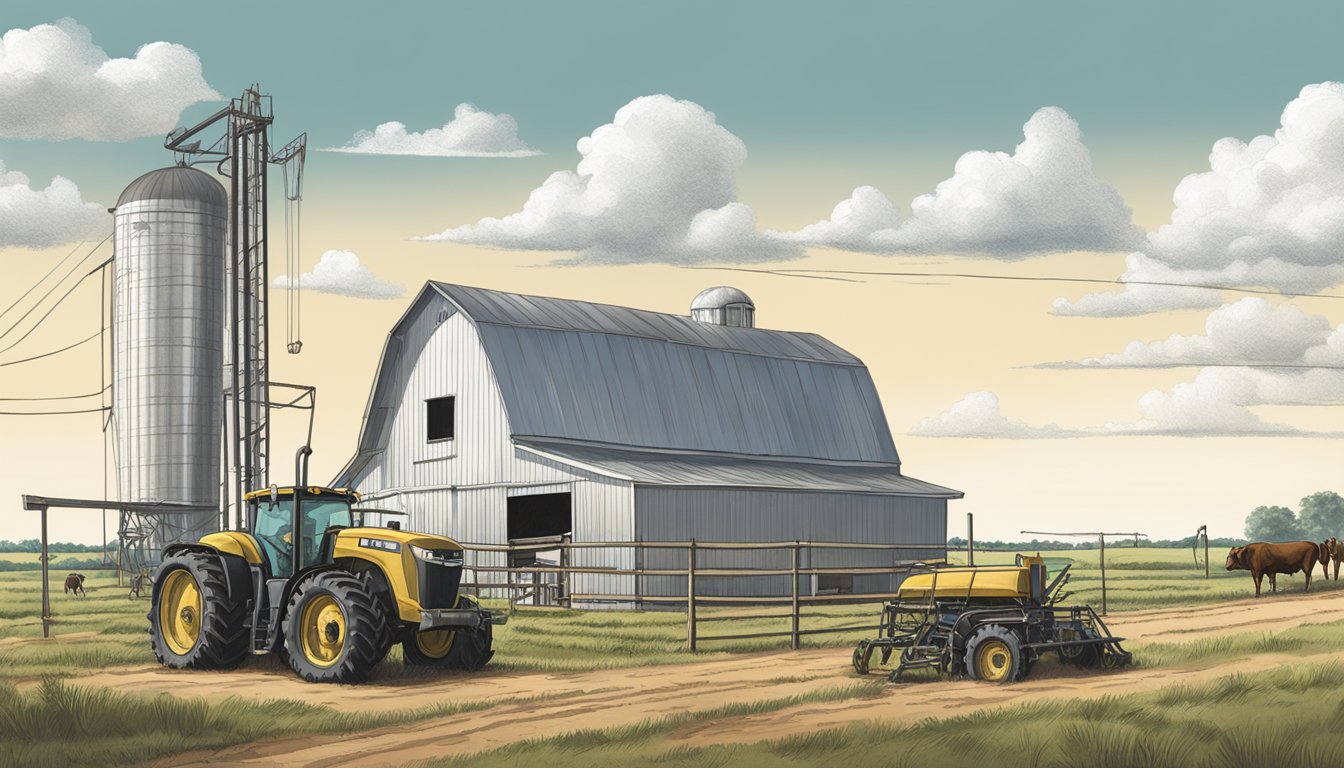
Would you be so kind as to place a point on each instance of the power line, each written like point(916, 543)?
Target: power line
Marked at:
point(54, 351)
point(53, 308)
point(819, 273)
point(51, 413)
point(44, 399)
point(28, 292)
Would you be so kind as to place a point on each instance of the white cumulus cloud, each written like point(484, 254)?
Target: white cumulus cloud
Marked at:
point(471, 133)
point(1268, 213)
point(1042, 198)
point(40, 218)
point(340, 273)
point(1219, 402)
point(657, 184)
point(1251, 331)
point(56, 84)
point(977, 415)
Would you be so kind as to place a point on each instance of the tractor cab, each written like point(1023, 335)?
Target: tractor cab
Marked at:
point(290, 524)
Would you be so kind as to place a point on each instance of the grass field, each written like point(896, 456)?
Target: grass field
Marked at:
point(112, 628)
point(1239, 721)
point(1285, 717)
point(1148, 577)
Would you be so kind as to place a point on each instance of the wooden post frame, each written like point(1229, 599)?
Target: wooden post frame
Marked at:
point(793, 636)
point(690, 596)
point(1102, 539)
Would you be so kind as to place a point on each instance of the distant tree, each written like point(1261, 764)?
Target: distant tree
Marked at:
point(1273, 524)
point(1322, 515)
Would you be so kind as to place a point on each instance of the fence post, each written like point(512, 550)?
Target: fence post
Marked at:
point(1102, 539)
point(970, 538)
point(690, 596)
point(564, 572)
point(793, 638)
point(46, 585)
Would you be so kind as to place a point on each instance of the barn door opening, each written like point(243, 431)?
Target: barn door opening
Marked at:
point(539, 520)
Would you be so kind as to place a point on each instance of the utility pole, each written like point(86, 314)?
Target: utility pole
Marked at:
point(1101, 540)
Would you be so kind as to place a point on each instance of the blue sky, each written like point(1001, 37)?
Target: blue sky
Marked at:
point(908, 84)
point(827, 98)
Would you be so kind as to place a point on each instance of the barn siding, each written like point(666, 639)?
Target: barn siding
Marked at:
point(460, 488)
point(741, 514)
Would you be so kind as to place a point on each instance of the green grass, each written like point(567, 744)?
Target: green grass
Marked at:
point(1149, 577)
point(1287, 717)
point(562, 641)
point(56, 724)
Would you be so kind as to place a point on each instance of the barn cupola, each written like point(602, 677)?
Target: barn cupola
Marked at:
point(724, 305)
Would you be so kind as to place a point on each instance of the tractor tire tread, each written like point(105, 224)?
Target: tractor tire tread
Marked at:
point(224, 630)
point(365, 626)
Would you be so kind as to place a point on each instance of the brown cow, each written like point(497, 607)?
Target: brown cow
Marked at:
point(1262, 558)
point(1335, 548)
point(75, 583)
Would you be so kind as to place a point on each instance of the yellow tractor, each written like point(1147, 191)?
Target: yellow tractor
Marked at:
point(308, 583)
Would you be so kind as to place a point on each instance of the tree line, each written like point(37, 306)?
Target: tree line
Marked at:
point(958, 542)
point(35, 545)
point(1318, 517)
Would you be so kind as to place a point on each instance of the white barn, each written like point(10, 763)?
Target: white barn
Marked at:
point(496, 417)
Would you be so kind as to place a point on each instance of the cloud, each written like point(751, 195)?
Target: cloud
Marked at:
point(56, 84)
point(854, 223)
point(1219, 402)
point(977, 415)
point(1251, 331)
point(471, 133)
point(657, 184)
point(1268, 213)
point(1042, 198)
point(40, 218)
point(340, 273)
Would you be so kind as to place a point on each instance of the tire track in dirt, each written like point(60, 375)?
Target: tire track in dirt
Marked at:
point(622, 697)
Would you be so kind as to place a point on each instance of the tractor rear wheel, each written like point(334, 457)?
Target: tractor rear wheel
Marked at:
point(994, 654)
point(193, 623)
point(334, 629)
point(465, 649)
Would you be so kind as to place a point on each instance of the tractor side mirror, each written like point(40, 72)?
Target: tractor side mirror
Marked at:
point(394, 525)
point(275, 494)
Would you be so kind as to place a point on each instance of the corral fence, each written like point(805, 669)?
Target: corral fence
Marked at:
point(540, 572)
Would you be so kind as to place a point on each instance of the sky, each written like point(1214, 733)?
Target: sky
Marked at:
point(635, 154)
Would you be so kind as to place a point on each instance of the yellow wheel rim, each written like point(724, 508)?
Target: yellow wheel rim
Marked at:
point(322, 631)
point(993, 659)
point(435, 643)
point(180, 612)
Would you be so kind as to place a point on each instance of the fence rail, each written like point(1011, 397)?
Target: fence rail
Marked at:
point(550, 584)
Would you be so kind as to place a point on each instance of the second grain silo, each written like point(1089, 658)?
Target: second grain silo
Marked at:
point(168, 328)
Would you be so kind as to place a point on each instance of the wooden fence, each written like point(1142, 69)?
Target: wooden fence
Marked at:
point(549, 584)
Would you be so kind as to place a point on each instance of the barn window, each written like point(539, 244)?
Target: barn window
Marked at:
point(439, 418)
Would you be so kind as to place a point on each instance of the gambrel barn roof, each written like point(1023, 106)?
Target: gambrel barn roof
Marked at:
point(616, 389)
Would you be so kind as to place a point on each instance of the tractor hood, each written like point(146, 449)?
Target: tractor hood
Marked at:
point(403, 538)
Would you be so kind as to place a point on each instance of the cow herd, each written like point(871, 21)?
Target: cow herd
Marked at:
point(1270, 559)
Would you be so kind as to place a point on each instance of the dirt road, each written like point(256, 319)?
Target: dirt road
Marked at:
point(567, 702)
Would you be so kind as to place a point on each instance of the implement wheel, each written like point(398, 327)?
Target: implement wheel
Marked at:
point(994, 654)
point(334, 629)
point(861, 658)
point(193, 624)
point(464, 649)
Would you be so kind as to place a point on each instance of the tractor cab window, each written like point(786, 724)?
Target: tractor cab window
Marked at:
point(318, 515)
point(274, 531)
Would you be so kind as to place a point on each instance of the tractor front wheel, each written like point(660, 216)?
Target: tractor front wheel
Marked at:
point(193, 623)
point(994, 654)
point(334, 629)
point(465, 649)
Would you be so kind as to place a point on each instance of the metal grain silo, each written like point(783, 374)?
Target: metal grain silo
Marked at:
point(168, 330)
